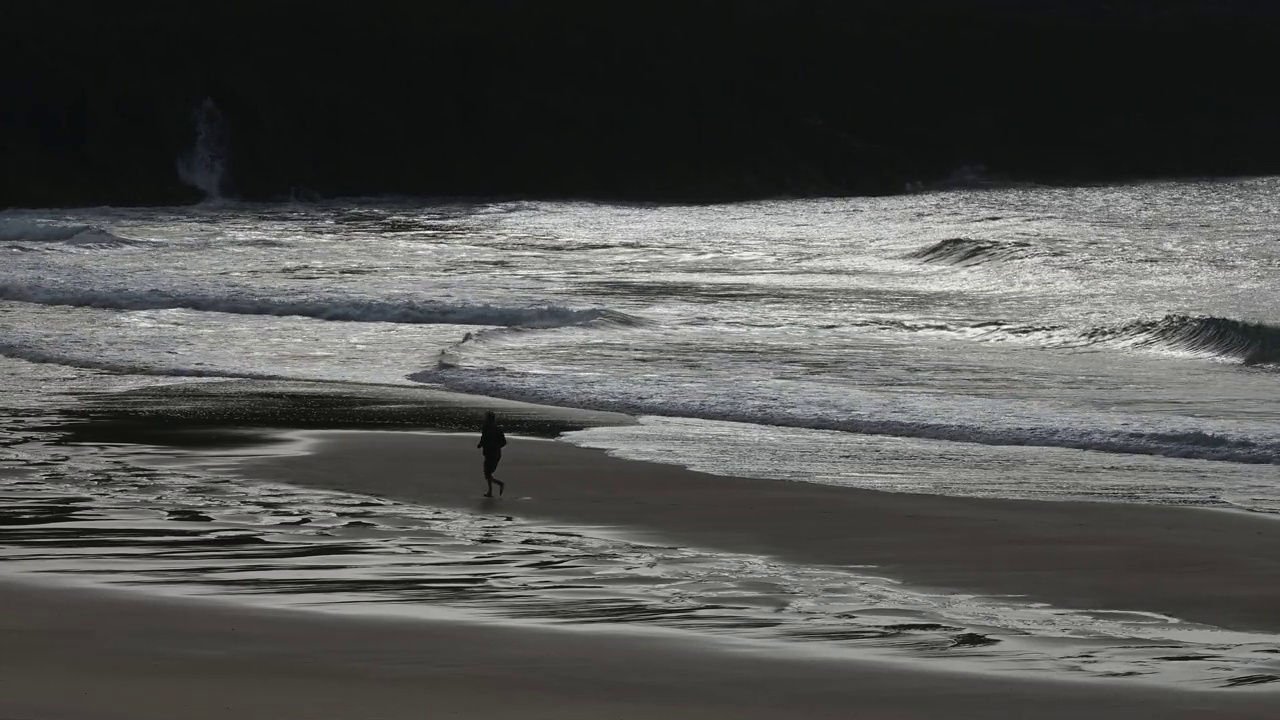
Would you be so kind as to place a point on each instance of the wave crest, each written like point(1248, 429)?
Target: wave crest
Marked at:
point(1251, 343)
point(341, 309)
point(1203, 335)
point(20, 230)
point(969, 251)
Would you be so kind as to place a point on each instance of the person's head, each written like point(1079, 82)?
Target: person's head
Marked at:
point(490, 418)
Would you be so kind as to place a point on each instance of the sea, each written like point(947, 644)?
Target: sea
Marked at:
point(1115, 343)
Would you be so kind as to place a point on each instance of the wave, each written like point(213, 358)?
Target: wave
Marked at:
point(341, 309)
point(550, 390)
point(1221, 338)
point(43, 357)
point(21, 230)
point(890, 324)
point(1250, 343)
point(1204, 335)
point(968, 251)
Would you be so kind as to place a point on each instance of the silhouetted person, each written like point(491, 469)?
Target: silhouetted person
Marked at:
point(491, 442)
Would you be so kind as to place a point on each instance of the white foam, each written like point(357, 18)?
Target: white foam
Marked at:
point(204, 164)
point(348, 309)
point(909, 465)
point(24, 230)
point(741, 407)
point(35, 355)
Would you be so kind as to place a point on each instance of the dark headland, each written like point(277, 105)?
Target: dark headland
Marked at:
point(668, 101)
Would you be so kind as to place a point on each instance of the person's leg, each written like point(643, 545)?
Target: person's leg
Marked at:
point(491, 465)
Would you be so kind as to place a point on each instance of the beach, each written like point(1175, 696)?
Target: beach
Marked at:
point(1218, 568)
point(73, 651)
point(998, 452)
point(84, 655)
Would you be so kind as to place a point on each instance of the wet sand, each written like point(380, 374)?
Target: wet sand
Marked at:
point(81, 655)
point(1212, 567)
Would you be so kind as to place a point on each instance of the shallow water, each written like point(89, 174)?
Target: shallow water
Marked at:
point(170, 521)
point(1119, 320)
point(933, 467)
point(1114, 344)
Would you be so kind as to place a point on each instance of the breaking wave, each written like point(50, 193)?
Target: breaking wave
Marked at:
point(1250, 343)
point(1207, 336)
point(968, 251)
point(568, 392)
point(20, 230)
point(342, 309)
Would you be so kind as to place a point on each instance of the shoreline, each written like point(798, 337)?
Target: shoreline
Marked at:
point(1074, 555)
point(144, 655)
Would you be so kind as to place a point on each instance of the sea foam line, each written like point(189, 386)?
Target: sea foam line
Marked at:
point(544, 389)
point(342, 309)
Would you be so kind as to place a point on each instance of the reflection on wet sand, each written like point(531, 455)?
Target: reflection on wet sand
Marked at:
point(102, 517)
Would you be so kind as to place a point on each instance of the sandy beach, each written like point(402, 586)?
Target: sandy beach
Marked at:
point(76, 655)
point(1217, 568)
point(80, 653)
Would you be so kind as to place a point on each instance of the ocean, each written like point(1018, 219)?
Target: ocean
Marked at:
point(1109, 344)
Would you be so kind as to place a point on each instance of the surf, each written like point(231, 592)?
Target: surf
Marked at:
point(33, 234)
point(1205, 336)
point(719, 405)
point(1249, 343)
point(970, 251)
point(333, 308)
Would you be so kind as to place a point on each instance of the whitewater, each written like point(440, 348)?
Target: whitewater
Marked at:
point(1111, 343)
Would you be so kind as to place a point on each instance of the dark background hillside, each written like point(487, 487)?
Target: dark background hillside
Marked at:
point(635, 100)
